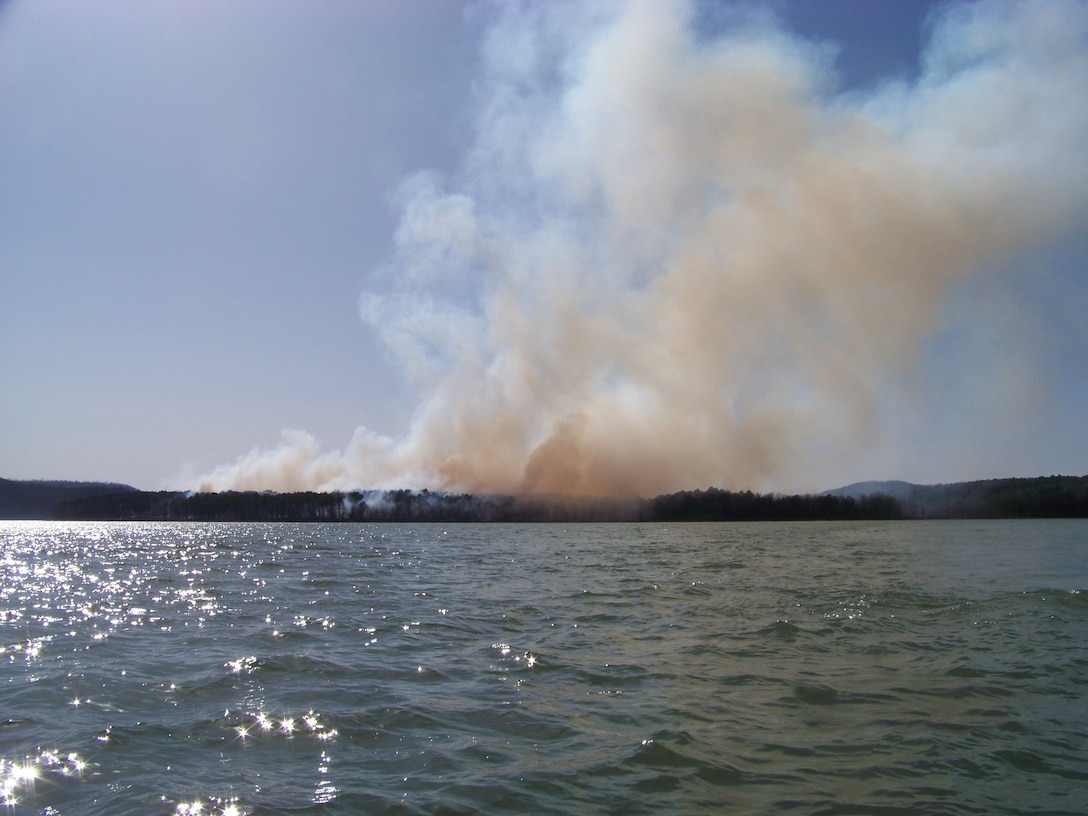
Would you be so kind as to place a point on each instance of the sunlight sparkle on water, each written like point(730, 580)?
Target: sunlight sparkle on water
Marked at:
point(242, 665)
point(22, 776)
point(289, 726)
point(212, 808)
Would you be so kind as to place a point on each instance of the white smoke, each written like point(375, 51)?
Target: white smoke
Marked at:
point(674, 261)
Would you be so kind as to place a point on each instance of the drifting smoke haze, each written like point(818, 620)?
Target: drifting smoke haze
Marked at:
point(675, 259)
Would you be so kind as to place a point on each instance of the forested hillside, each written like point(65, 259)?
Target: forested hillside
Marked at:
point(37, 499)
point(1042, 497)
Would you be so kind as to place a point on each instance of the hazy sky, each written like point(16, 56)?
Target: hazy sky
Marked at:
point(594, 248)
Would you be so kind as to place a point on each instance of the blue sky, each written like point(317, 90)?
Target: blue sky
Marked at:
point(224, 221)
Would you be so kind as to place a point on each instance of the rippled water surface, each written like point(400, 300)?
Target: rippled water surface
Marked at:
point(228, 669)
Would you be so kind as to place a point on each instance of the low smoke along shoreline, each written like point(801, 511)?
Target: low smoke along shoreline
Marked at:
point(1043, 497)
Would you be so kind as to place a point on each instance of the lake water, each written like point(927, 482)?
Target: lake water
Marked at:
point(847, 668)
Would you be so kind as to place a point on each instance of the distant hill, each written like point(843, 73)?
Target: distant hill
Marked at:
point(895, 489)
point(37, 499)
point(1039, 497)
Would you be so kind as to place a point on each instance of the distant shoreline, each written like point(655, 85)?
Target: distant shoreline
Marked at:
point(1040, 497)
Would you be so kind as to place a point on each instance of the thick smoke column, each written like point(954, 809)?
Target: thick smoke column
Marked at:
point(673, 261)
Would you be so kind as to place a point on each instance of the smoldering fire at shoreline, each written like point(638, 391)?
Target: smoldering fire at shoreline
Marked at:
point(674, 259)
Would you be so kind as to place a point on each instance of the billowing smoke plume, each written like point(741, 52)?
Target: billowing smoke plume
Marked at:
point(675, 260)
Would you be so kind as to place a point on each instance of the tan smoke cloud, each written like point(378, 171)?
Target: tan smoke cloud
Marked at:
point(674, 261)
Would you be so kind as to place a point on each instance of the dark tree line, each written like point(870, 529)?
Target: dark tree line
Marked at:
point(723, 505)
point(1045, 497)
point(394, 505)
point(410, 506)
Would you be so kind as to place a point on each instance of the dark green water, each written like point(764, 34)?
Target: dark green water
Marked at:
point(894, 668)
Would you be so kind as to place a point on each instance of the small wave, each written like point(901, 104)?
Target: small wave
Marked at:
point(655, 753)
point(782, 630)
point(663, 753)
point(616, 676)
